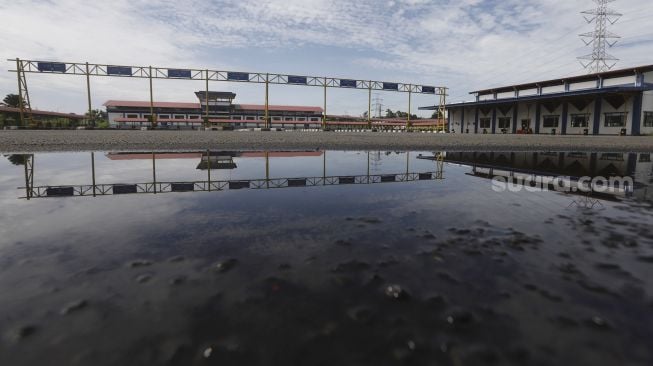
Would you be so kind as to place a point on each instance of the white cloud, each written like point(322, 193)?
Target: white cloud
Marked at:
point(464, 44)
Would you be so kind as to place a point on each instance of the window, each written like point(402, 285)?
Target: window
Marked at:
point(164, 116)
point(288, 119)
point(644, 158)
point(648, 119)
point(314, 119)
point(132, 116)
point(148, 117)
point(550, 121)
point(504, 122)
point(276, 118)
point(236, 118)
point(193, 117)
point(484, 123)
point(301, 118)
point(180, 116)
point(250, 118)
point(615, 119)
point(580, 120)
point(612, 156)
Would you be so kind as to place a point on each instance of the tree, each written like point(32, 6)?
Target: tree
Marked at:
point(390, 114)
point(17, 159)
point(12, 100)
point(436, 115)
point(97, 116)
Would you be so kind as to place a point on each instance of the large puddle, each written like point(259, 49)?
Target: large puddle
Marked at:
point(323, 258)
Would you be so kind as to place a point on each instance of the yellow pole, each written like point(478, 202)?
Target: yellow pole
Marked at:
point(206, 101)
point(407, 163)
point(152, 116)
point(20, 93)
point(369, 106)
point(90, 110)
point(267, 106)
point(325, 105)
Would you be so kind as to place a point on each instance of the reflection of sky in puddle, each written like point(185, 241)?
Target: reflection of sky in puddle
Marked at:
point(312, 265)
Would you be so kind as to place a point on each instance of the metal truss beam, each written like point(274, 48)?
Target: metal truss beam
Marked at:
point(150, 72)
point(210, 186)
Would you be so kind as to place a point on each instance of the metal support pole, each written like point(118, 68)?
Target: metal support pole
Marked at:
point(267, 102)
point(324, 168)
point(369, 106)
point(368, 167)
point(20, 93)
point(267, 169)
point(154, 172)
point(407, 163)
point(29, 175)
point(208, 164)
point(325, 105)
point(152, 116)
point(206, 102)
point(93, 171)
point(410, 92)
point(88, 94)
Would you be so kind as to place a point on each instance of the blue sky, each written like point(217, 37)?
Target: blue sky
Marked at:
point(462, 44)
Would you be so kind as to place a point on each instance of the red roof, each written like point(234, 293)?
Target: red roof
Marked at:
point(139, 104)
point(43, 113)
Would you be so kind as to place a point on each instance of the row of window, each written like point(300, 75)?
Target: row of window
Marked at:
point(238, 118)
point(616, 119)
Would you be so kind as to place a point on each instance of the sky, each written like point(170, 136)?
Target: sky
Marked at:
point(464, 45)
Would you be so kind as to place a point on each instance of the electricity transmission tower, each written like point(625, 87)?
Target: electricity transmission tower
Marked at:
point(600, 39)
point(378, 106)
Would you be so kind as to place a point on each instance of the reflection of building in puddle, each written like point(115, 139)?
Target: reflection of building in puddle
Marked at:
point(526, 167)
point(210, 160)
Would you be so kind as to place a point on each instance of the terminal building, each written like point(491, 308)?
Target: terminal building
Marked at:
point(618, 102)
point(221, 112)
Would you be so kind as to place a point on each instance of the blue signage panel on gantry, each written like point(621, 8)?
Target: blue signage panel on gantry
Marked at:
point(347, 83)
point(238, 76)
point(119, 70)
point(428, 89)
point(296, 79)
point(178, 73)
point(390, 86)
point(51, 67)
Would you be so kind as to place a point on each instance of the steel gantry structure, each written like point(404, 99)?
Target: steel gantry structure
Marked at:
point(150, 72)
point(155, 186)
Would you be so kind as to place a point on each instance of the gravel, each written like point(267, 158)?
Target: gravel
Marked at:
point(111, 140)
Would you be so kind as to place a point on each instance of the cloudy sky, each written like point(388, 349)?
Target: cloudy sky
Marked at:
point(463, 44)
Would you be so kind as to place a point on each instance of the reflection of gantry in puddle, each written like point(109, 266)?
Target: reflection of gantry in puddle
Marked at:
point(210, 161)
point(586, 202)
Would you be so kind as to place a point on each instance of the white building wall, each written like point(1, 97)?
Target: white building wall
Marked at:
point(553, 89)
point(648, 77)
point(583, 86)
point(589, 109)
point(510, 115)
point(486, 97)
point(626, 80)
point(526, 111)
point(555, 112)
point(470, 119)
point(607, 108)
point(647, 106)
point(527, 92)
point(505, 95)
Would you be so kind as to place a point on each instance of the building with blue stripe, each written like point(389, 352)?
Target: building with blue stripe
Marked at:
point(609, 103)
